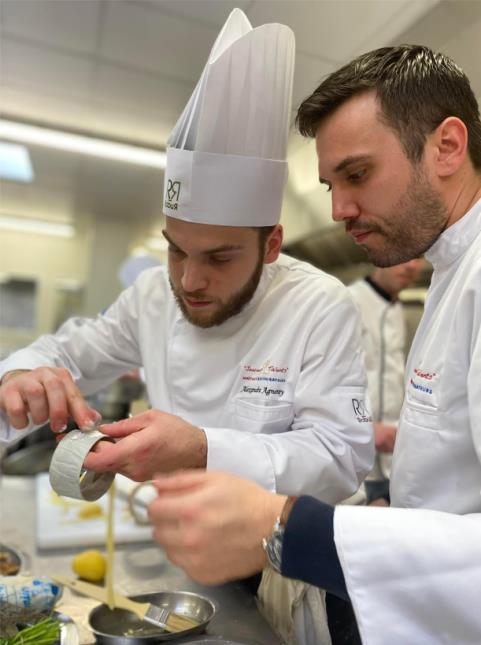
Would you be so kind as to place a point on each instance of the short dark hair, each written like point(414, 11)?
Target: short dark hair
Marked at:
point(416, 87)
point(264, 232)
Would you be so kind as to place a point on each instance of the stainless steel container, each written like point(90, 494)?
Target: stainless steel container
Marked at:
point(15, 558)
point(29, 461)
point(113, 402)
point(121, 627)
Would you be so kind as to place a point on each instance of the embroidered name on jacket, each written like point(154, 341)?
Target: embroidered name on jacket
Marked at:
point(264, 379)
point(423, 380)
point(421, 388)
point(262, 390)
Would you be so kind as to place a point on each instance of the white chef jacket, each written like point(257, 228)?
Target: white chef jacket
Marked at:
point(279, 388)
point(414, 575)
point(438, 448)
point(383, 337)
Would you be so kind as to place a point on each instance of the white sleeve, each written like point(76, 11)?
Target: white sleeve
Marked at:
point(95, 351)
point(329, 447)
point(413, 575)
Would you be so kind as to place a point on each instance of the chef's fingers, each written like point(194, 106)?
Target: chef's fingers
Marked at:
point(23, 393)
point(46, 393)
point(15, 408)
point(57, 401)
point(179, 556)
point(179, 505)
point(125, 426)
point(35, 398)
point(166, 534)
point(84, 416)
point(180, 480)
point(105, 456)
point(169, 525)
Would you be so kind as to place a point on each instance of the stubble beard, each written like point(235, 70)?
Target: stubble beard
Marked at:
point(233, 306)
point(416, 222)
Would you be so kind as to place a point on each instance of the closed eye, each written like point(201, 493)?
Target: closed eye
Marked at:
point(219, 260)
point(356, 177)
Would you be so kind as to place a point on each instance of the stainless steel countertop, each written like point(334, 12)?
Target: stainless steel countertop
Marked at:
point(139, 568)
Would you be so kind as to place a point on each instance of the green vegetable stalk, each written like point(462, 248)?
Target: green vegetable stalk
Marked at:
point(45, 632)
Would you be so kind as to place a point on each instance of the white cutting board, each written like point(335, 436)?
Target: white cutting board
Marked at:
point(62, 522)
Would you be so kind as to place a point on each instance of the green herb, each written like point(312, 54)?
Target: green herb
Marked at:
point(45, 632)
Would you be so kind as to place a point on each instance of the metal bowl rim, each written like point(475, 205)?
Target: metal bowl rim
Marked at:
point(213, 603)
point(65, 620)
point(22, 558)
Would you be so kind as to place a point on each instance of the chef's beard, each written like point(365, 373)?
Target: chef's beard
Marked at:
point(414, 224)
point(224, 310)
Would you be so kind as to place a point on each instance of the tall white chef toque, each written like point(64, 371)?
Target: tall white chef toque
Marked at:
point(226, 156)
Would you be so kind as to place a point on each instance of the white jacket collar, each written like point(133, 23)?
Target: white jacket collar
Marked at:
point(456, 239)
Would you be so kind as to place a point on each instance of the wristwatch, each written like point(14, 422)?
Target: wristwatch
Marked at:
point(272, 545)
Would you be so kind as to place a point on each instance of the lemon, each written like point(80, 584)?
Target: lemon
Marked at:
point(90, 565)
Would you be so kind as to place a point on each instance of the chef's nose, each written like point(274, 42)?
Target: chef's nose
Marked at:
point(343, 206)
point(193, 276)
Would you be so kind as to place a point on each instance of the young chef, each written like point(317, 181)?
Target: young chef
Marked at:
point(398, 135)
point(252, 360)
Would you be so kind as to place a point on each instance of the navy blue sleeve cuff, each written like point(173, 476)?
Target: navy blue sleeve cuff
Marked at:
point(308, 549)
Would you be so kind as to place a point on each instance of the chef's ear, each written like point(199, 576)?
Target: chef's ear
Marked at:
point(449, 143)
point(273, 244)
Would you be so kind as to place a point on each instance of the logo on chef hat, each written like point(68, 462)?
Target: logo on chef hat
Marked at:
point(173, 194)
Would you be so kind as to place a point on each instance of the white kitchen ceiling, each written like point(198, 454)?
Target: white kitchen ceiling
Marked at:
point(123, 69)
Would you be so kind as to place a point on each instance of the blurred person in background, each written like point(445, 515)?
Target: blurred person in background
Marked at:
point(133, 266)
point(384, 342)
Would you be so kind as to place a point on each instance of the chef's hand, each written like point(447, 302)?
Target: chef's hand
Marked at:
point(44, 393)
point(211, 524)
point(150, 442)
point(384, 437)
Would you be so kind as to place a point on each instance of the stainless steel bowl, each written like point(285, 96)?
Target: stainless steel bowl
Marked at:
point(14, 557)
point(68, 630)
point(111, 626)
point(30, 460)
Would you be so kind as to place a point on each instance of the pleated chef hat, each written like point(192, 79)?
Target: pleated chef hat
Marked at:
point(226, 154)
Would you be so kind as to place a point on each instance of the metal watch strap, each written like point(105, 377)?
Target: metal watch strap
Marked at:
point(272, 545)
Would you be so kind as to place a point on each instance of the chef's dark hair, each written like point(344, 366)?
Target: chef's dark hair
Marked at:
point(264, 232)
point(416, 87)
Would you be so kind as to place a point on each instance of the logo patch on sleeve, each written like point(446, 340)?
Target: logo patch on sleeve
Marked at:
point(361, 411)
